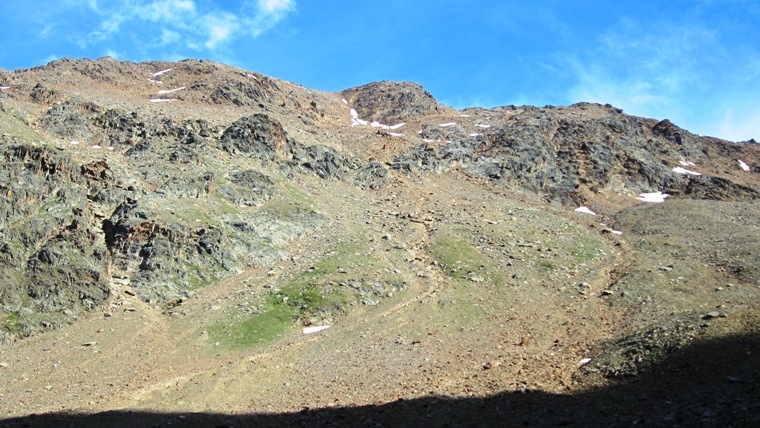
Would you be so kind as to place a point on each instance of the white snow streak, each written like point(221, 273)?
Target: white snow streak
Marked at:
point(616, 232)
point(251, 76)
point(345, 101)
point(584, 210)
point(155, 81)
point(654, 197)
point(480, 125)
point(315, 329)
point(476, 134)
point(354, 114)
point(686, 163)
point(96, 146)
point(5, 87)
point(158, 73)
point(679, 170)
point(74, 143)
point(447, 124)
point(162, 100)
point(169, 91)
point(398, 125)
point(464, 115)
point(397, 134)
point(743, 165)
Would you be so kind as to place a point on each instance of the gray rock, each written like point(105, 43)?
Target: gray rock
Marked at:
point(258, 136)
point(373, 176)
point(391, 102)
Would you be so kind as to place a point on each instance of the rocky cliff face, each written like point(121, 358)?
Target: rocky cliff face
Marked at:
point(168, 176)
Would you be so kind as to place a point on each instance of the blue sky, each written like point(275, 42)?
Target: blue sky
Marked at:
point(695, 62)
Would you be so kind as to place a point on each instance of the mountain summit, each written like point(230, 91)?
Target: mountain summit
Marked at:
point(194, 238)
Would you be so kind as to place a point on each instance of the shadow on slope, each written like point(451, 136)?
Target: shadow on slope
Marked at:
point(709, 383)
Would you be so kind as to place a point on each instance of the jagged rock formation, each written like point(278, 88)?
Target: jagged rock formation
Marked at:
point(567, 154)
point(392, 102)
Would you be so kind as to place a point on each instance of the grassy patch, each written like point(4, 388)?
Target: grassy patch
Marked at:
point(545, 267)
point(586, 248)
point(258, 330)
point(11, 322)
point(323, 291)
point(461, 260)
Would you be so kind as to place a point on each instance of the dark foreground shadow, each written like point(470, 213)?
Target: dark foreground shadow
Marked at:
point(715, 383)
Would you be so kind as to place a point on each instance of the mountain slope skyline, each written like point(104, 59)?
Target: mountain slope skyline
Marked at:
point(693, 63)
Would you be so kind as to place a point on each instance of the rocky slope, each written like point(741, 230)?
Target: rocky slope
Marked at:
point(230, 209)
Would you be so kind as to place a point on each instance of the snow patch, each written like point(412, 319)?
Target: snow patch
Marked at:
point(345, 101)
point(616, 232)
point(447, 124)
point(354, 113)
point(679, 170)
point(481, 125)
point(155, 81)
point(251, 76)
point(5, 87)
point(315, 329)
point(397, 134)
point(158, 73)
point(96, 146)
point(743, 165)
point(584, 210)
point(584, 361)
point(74, 142)
point(169, 91)
point(162, 100)
point(686, 163)
point(110, 148)
point(398, 125)
point(476, 134)
point(654, 197)
point(464, 115)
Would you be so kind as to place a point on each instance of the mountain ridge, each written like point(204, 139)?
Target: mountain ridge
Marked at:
point(228, 210)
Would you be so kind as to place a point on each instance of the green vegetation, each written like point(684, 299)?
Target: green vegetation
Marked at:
point(258, 330)
point(321, 291)
point(15, 128)
point(461, 260)
point(11, 322)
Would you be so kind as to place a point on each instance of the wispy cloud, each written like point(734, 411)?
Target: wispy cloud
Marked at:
point(646, 74)
point(683, 72)
point(739, 124)
point(263, 15)
point(181, 24)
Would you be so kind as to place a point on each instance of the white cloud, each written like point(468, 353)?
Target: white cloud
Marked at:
point(220, 28)
point(266, 14)
point(168, 37)
point(182, 23)
point(682, 73)
point(47, 30)
point(276, 6)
